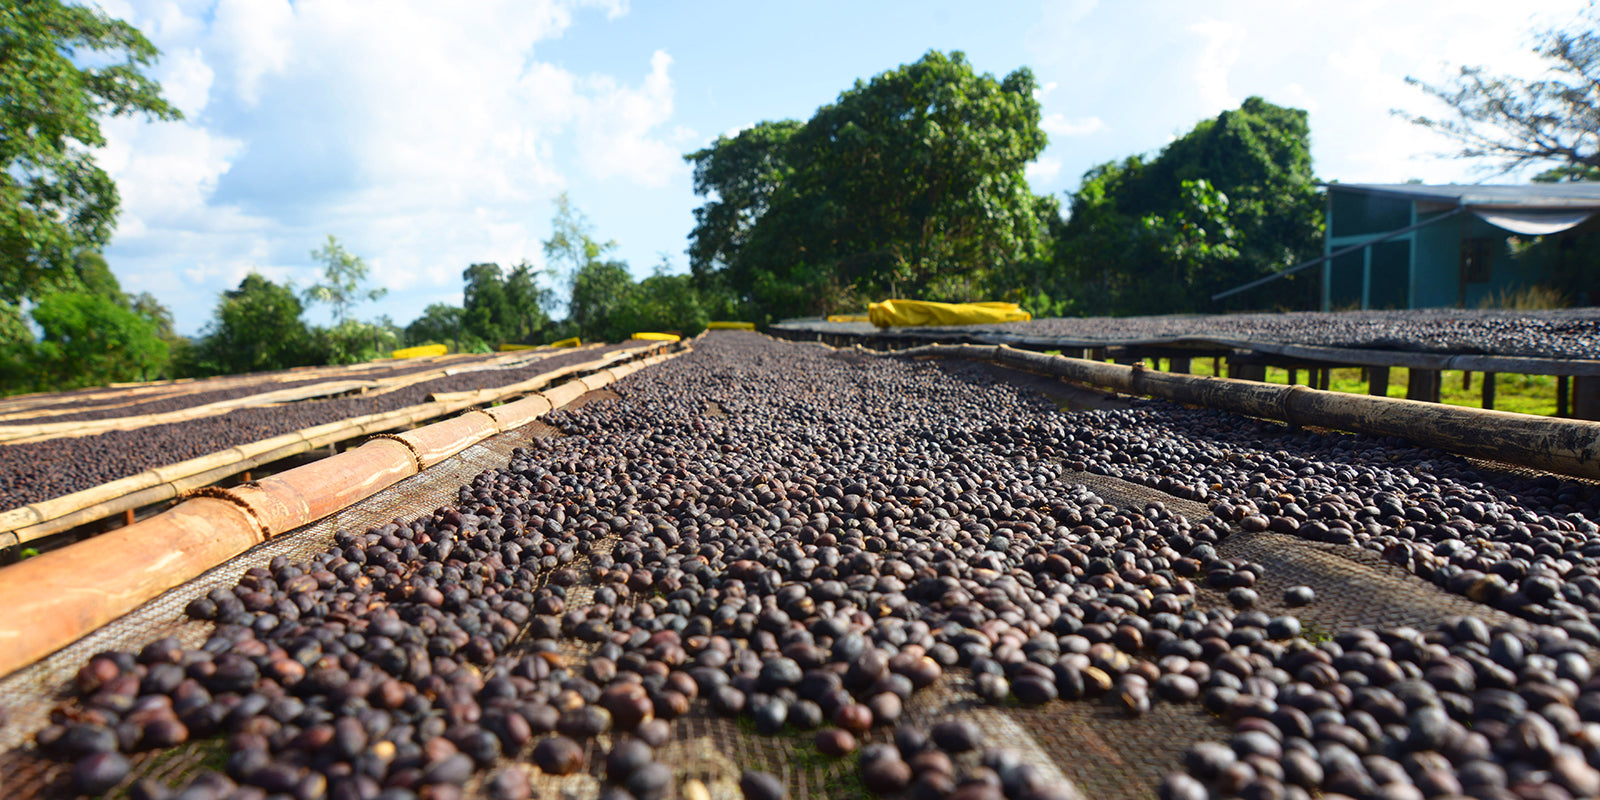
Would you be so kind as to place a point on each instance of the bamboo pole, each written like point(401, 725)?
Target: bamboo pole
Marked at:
point(58, 597)
point(1568, 447)
point(47, 517)
point(22, 434)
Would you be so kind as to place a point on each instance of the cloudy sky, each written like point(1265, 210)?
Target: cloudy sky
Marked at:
point(428, 136)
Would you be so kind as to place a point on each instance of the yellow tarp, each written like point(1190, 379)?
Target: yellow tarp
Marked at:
point(849, 318)
point(573, 342)
point(510, 347)
point(419, 351)
point(906, 313)
point(731, 326)
point(657, 337)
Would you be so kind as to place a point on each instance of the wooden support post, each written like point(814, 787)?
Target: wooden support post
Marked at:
point(1216, 366)
point(1247, 372)
point(1327, 378)
point(1466, 380)
point(1561, 396)
point(1378, 381)
point(1488, 389)
point(127, 517)
point(1178, 364)
point(1423, 384)
point(1097, 354)
point(1294, 375)
point(1586, 398)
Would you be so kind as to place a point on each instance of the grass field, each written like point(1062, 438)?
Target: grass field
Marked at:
point(1525, 394)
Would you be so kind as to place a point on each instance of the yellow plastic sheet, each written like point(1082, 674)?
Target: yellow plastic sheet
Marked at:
point(419, 351)
point(906, 313)
point(510, 347)
point(849, 318)
point(572, 342)
point(657, 337)
point(731, 326)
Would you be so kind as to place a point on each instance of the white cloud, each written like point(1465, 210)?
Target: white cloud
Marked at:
point(186, 80)
point(252, 39)
point(1043, 171)
point(616, 128)
point(1222, 46)
point(425, 136)
point(1057, 125)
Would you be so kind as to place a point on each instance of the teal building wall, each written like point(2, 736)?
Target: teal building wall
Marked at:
point(1423, 268)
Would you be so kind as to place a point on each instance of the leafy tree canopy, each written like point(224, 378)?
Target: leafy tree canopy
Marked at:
point(740, 174)
point(55, 202)
point(1516, 122)
point(909, 184)
point(599, 291)
point(572, 245)
point(86, 340)
point(1232, 200)
point(343, 272)
point(440, 323)
point(256, 327)
point(499, 308)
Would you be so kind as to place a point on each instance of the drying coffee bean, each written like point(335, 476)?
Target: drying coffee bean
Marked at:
point(762, 786)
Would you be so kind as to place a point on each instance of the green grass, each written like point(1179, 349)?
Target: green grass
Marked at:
point(1524, 394)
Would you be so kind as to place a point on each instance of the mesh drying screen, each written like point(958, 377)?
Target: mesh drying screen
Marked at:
point(29, 694)
point(1093, 746)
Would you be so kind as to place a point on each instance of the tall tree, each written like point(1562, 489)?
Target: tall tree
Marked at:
point(739, 175)
point(662, 302)
point(572, 245)
point(486, 307)
point(600, 290)
point(1232, 200)
point(1516, 122)
point(256, 327)
point(343, 272)
point(527, 302)
point(63, 67)
point(911, 183)
point(89, 339)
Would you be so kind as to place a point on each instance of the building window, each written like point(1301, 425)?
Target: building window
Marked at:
point(1476, 260)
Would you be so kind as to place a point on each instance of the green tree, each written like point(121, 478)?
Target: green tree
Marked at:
point(343, 273)
point(527, 303)
point(256, 327)
point(1516, 122)
point(62, 68)
point(909, 184)
point(572, 245)
point(354, 341)
point(1233, 200)
point(89, 339)
point(600, 290)
point(663, 302)
point(94, 275)
point(739, 175)
point(441, 323)
point(486, 305)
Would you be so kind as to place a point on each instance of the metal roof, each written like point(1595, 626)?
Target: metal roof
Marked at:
point(1482, 195)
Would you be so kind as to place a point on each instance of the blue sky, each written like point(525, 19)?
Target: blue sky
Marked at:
point(428, 136)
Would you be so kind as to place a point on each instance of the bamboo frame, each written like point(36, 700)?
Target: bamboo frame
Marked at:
point(167, 482)
point(55, 598)
point(1565, 446)
point(22, 434)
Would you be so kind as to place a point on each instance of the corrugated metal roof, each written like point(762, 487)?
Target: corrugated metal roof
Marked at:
point(1527, 195)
